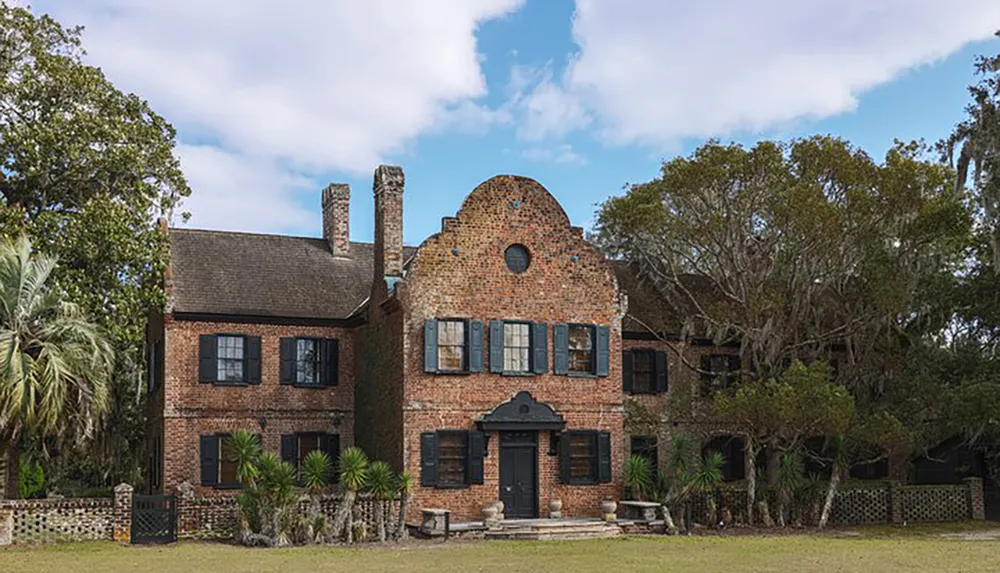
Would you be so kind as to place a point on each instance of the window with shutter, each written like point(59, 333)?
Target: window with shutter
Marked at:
point(475, 346)
point(560, 349)
point(307, 362)
point(288, 354)
point(582, 457)
point(580, 348)
point(230, 358)
point(207, 364)
point(540, 348)
point(451, 346)
point(718, 372)
point(217, 465)
point(428, 459)
point(642, 371)
point(516, 347)
point(330, 362)
point(453, 452)
point(252, 362)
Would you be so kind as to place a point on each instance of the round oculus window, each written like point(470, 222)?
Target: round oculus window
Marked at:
point(517, 258)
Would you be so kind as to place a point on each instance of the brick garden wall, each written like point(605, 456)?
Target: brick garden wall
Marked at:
point(192, 408)
point(461, 272)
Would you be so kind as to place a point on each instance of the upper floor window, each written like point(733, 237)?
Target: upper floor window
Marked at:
point(581, 348)
point(230, 358)
point(307, 361)
point(718, 372)
point(516, 347)
point(451, 349)
point(644, 371)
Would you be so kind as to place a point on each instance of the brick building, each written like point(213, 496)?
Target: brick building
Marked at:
point(495, 360)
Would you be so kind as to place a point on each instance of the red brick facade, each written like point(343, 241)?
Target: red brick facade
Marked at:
point(385, 400)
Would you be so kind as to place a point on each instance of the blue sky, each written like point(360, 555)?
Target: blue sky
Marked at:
point(583, 95)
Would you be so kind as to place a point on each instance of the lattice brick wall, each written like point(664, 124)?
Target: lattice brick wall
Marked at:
point(935, 503)
point(861, 505)
point(48, 521)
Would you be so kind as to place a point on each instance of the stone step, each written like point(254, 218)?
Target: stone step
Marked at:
point(547, 532)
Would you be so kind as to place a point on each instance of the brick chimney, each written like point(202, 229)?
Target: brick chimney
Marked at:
point(336, 218)
point(388, 189)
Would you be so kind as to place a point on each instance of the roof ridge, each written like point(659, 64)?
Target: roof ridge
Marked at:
point(254, 234)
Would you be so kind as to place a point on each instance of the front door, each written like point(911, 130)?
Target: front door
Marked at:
point(519, 474)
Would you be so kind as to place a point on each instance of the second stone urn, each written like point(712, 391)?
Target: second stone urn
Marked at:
point(608, 508)
point(555, 508)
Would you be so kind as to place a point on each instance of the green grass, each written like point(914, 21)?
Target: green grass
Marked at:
point(780, 553)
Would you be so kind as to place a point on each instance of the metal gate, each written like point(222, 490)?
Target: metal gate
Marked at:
point(154, 518)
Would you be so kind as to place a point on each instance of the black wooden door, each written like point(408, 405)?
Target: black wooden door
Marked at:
point(519, 474)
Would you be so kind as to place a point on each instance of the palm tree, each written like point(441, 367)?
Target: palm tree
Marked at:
point(55, 365)
point(404, 485)
point(316, 468)
point(353, 475)
point(380, 485)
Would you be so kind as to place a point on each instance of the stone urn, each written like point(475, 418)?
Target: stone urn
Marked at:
point(608, 508)
point(555, 508)
point(499, 505)
point(489, 514)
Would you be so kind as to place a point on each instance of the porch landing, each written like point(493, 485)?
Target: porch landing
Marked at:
point(544, 529)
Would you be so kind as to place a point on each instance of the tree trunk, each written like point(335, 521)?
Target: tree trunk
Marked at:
point(750, 463)
point(401, 523)
point(13, 465)
point(380, 519)
point(668, 520)
point(828, 504)
point(343, 518)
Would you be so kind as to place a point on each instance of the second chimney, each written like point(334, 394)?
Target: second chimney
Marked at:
point(336, 218)
point(388, 189)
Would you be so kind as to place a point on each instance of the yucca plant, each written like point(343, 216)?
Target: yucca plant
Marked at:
point(316, 469)
point(267, 503)
point(55, 364)
point(789, 479)
point(404, 486)
point(380, 485)
point(638, 477)
point(353, 468)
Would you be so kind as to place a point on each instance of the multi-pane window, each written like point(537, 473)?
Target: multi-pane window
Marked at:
point(642, 371)
point(453, 450)
point(583, 457)
point(227, 465)
point(307, 357)
point(451, 345)
point(719, 371)
point(230, 358)
point(516, 347)
point(581, 348)
point(307, 444)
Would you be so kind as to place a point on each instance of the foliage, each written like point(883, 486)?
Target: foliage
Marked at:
point(790, 248)
point(86, 170)
point(353, 469)
point(30, 479)
point(54, 363)
point(380, 482)
point(316, 469)
point(686, 474)
point(267, 501)
point(404, 487)
point(638, 477)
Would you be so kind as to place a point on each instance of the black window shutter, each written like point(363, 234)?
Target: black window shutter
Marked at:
point(628, 371)
point(290, 449)
point(496, 346)
point(208, 364)
point(428, 459)
point(604, 457)
point(330, 361)
point(539, 347)
point(287, 357)
point(660, 370)
point(477, 449)
point(332, 449)
point(560, 348)
point(735, 370)
point(564, 446)
point(209, 460)
point(430, 345)
point(475, 346)
point(251, 360)
point(603, 355)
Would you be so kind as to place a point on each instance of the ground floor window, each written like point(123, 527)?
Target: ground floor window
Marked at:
point(295, 448)
point(451, 458)
point(217, 465)
point(645, 447)
point(732, 450)
point(585, 457)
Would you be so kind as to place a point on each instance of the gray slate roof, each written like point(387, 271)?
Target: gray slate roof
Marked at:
point(218, 272)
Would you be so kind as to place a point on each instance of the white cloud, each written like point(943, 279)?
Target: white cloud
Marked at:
point(304, 86)
point(562, 154)
point(655, 71)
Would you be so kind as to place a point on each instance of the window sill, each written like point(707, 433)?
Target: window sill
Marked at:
point(582, 375)
point(227, 383)
point(311, 386)
point(228, 486)
point(451, 486)
point(452, 372)
point(516, 373)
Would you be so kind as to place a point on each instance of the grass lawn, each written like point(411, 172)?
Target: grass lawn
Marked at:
point(882, 550)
